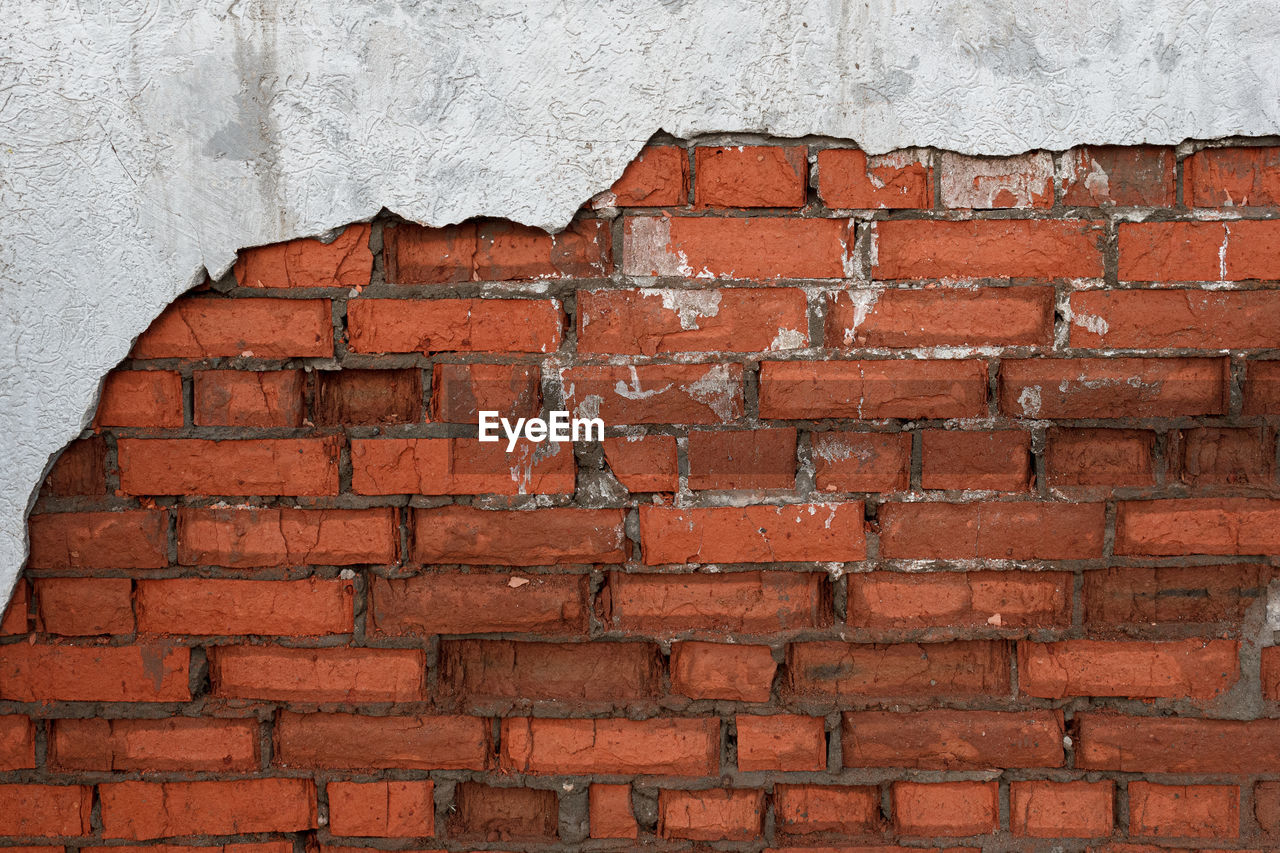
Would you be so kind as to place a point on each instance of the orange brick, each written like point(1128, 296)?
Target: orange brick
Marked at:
point(610, 812)
point(271, 398)
point(1021, 181)
point(459, 466)
point(644, 463)
point(495, 250)
point(177, 744)
point(199, 606)
point(960, 460)
point(861, 461)
point(45, 810)
point(17, 743)
point(1062, 809)
point(1003, 248)
point(942, 388)
point(658, 177)
point(85, 606)
point(145, 810)
point(255, 537)
point(317, 675)
point(750, 176)
point(971, 599)
point(781, 742)
point(382, 809)
point(140, 398)
point(715, 815)
point(147, 673)
point(655, 393)
point(850, 178)
point(454, 325)
point(946, 808)
point(1106, 175)
point(266, 466)
point(131, 539)
point(764, 248)
point(753, 534)
point(346, 261)
point(1185, 811)
point(1232, 177)
point(206, 327)
point(742, 673)
point(1192, 669)
point(900, 317)
point(810, 809)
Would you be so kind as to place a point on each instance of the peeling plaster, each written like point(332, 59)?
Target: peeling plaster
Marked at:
point(146, 142)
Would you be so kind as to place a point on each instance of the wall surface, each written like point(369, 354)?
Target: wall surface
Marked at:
point(146, 142)
point(937, 511)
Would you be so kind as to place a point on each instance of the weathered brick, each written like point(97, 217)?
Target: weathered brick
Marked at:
point(178, 744)
point(861, 461)
point(459, 392)
point(1192, 669)
point(1185, 811)
point(764, 248)
point(503, 814)
point(1239, 176)
point(458, 534)
point(781, 742)
point(1270, 672)
point(1031, 530)
point(263, 466)
point(754, 534)
point(900, 317)
point(144, 810)
point(14, 618)
point(140, 398)
point(655, 393)
point(130, 539)
point(713, 815)
point(747, 459)
point(383, 809)
point(741, 673)
point(1125, 176)
point(730, 603)
point(459, 466)
point(346, 261)
point(850, 178)
point(285, 536)
point(351, 742)
point(943, 388)
point(204, 327)
point(658, 177)
point(1119, 596)
point(952, 740)
point(844, 670)
point(479, 670)
point(660, 746)
point(1172, 745)
point(208, 606)
point(664, 320)
point(993, 248)
point(962, 460)
point(270, 398)
point(1079, 809)
point(1099, 457)
point(644, 463)
point(271, 673)
point(495, 250)
point(750, 176)
point(350, 397)
point(610, 813)
point(1150, 319)
point(1262, 388)
point(1214, 456)
point(1113, 387)
point(971, 599)
point(1021, 181)
point(840, 810)
point(146, 673)
point(84, 606)
point(454, 325)
point(479, 603)
point(1198, 526)
point(946, 808)
point(1266, 806)
point(81, 469)
point(45, 810)
point(1199, 251)
point(17, 743)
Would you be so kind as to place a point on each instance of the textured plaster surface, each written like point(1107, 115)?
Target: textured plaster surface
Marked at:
point(145, 142)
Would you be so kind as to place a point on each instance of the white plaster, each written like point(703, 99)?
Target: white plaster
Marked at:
point(145, 142)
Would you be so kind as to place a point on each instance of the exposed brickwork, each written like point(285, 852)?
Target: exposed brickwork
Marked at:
point(936, 510)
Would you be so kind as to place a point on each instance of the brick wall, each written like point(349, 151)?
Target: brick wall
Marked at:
point(937, 511)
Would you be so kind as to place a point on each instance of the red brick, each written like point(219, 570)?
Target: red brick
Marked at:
point(1213, 456)
point(952, 740)
point(1232, 177)
point(1199, 251)
point(660, 746)
point(45, 810)
point(271, 398)
point(459, 466)
point(1262, 388)
point(482, 603)
point(495, 250)
point(85, 606)
point(946, 808)
point(1113, 387)
point(861, 461)
point(459, 392)
point(1172, 745)
point(205, 327)
point(1199, 526)
point(843, 670)
point(1192, 669)
point(644, 463)
point(148, 673)
point(873, 389)
point(729, 603)
point(1100, 457)
point(270, 673)
point(179, 744)
point(346, 261)
point(560, 536)
point(14, 618)
point(384, 809)
point(17, 743)
point(749, 459)
point(1185, 811)
point(849, 178)
point(610, 812)
point(1021, 181)
point(658, 177)
point(652, 320)
point(610, 673)
point(781, 742)
point(81, 469)
point(265, 466)
point(763, 248)
point(131, 539)
point(750, 176)
point(1127, 176)
point(351, 742)
point(714, 815)
point(1149, 319)
point(997, 461)
point(1172, 594)
point(1004, 248)
point(840, 810)
point(960, 599)
point(143, 810)
point(252, 537)
point(1043, 809)
point(739, 673)
point(1266, 806)
point(245, 847)
point(655, 393)
point(211, 606)
point(897, 317)
point(1271, 672)
point(1031, 530)
point(503, 814)
point(140, 398)
point(349, 397)
point(454, 325)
